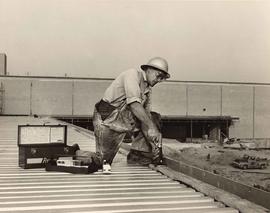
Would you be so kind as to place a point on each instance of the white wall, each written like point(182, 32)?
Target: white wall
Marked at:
point(16, 96)
point(204, 100)
point(86, 95)
point(77, 97)
point(262, 111)
point(3, 64)
point(237, 100)
point(170, 99)
point(51, 97)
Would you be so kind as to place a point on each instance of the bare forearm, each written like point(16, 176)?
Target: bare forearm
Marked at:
point(151, 131)
point(142, 115)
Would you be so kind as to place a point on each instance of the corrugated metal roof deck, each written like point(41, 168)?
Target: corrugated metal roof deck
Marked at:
point(128, 189)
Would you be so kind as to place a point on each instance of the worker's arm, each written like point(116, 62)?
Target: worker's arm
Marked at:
point(147, 104)
point(152, 131)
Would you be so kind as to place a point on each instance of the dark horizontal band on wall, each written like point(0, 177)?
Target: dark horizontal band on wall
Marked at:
point(197, 118)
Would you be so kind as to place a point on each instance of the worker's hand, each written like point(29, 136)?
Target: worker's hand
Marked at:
point(155, 151)
point(154, 135)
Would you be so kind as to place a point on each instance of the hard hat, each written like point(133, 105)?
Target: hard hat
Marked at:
point(157, 63)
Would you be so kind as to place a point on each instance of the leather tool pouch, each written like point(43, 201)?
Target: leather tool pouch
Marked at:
point(104, 109)
point(117, 119)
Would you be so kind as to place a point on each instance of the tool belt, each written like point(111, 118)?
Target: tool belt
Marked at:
point(104, 109)
point(119, 119)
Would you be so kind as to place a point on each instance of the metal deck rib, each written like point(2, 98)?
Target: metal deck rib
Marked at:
point(128, 189)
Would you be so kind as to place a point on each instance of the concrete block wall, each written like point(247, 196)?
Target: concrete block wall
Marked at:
point(16, 96)
point(169, 99)
point(250, 103)
point(53, 97)
point(204, 100)
point(3, 64)
point(49, 96)
point(237, 100)
point(261, 112)
point(86, 94)
point(45, 96)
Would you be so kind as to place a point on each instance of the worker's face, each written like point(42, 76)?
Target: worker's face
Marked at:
point(154, 76)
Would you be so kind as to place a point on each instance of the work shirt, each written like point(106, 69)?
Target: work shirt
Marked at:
point(130, 86)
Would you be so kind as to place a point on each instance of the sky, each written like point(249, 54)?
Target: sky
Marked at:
point(213, 40)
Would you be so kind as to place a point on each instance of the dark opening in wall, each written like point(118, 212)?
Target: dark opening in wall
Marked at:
point(183, 129)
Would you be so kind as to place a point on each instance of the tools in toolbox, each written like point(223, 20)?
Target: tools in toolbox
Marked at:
point(45, 146)
point(38, 143)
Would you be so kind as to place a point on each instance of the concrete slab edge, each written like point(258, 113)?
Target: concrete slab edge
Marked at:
point(230, 200)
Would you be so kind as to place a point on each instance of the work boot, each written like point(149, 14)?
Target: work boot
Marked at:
point(137, 157)
point(76, 147)
point(84, 156)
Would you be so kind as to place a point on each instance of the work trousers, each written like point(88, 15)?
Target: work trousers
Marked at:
point(108, 143)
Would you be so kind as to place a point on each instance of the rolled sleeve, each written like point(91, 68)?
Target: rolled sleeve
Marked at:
point(134, 99)
point(132, 87)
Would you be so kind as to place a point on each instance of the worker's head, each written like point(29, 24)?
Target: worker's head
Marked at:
point(156, 70)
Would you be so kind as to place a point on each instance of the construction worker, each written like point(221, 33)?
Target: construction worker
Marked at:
point(125, 109)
